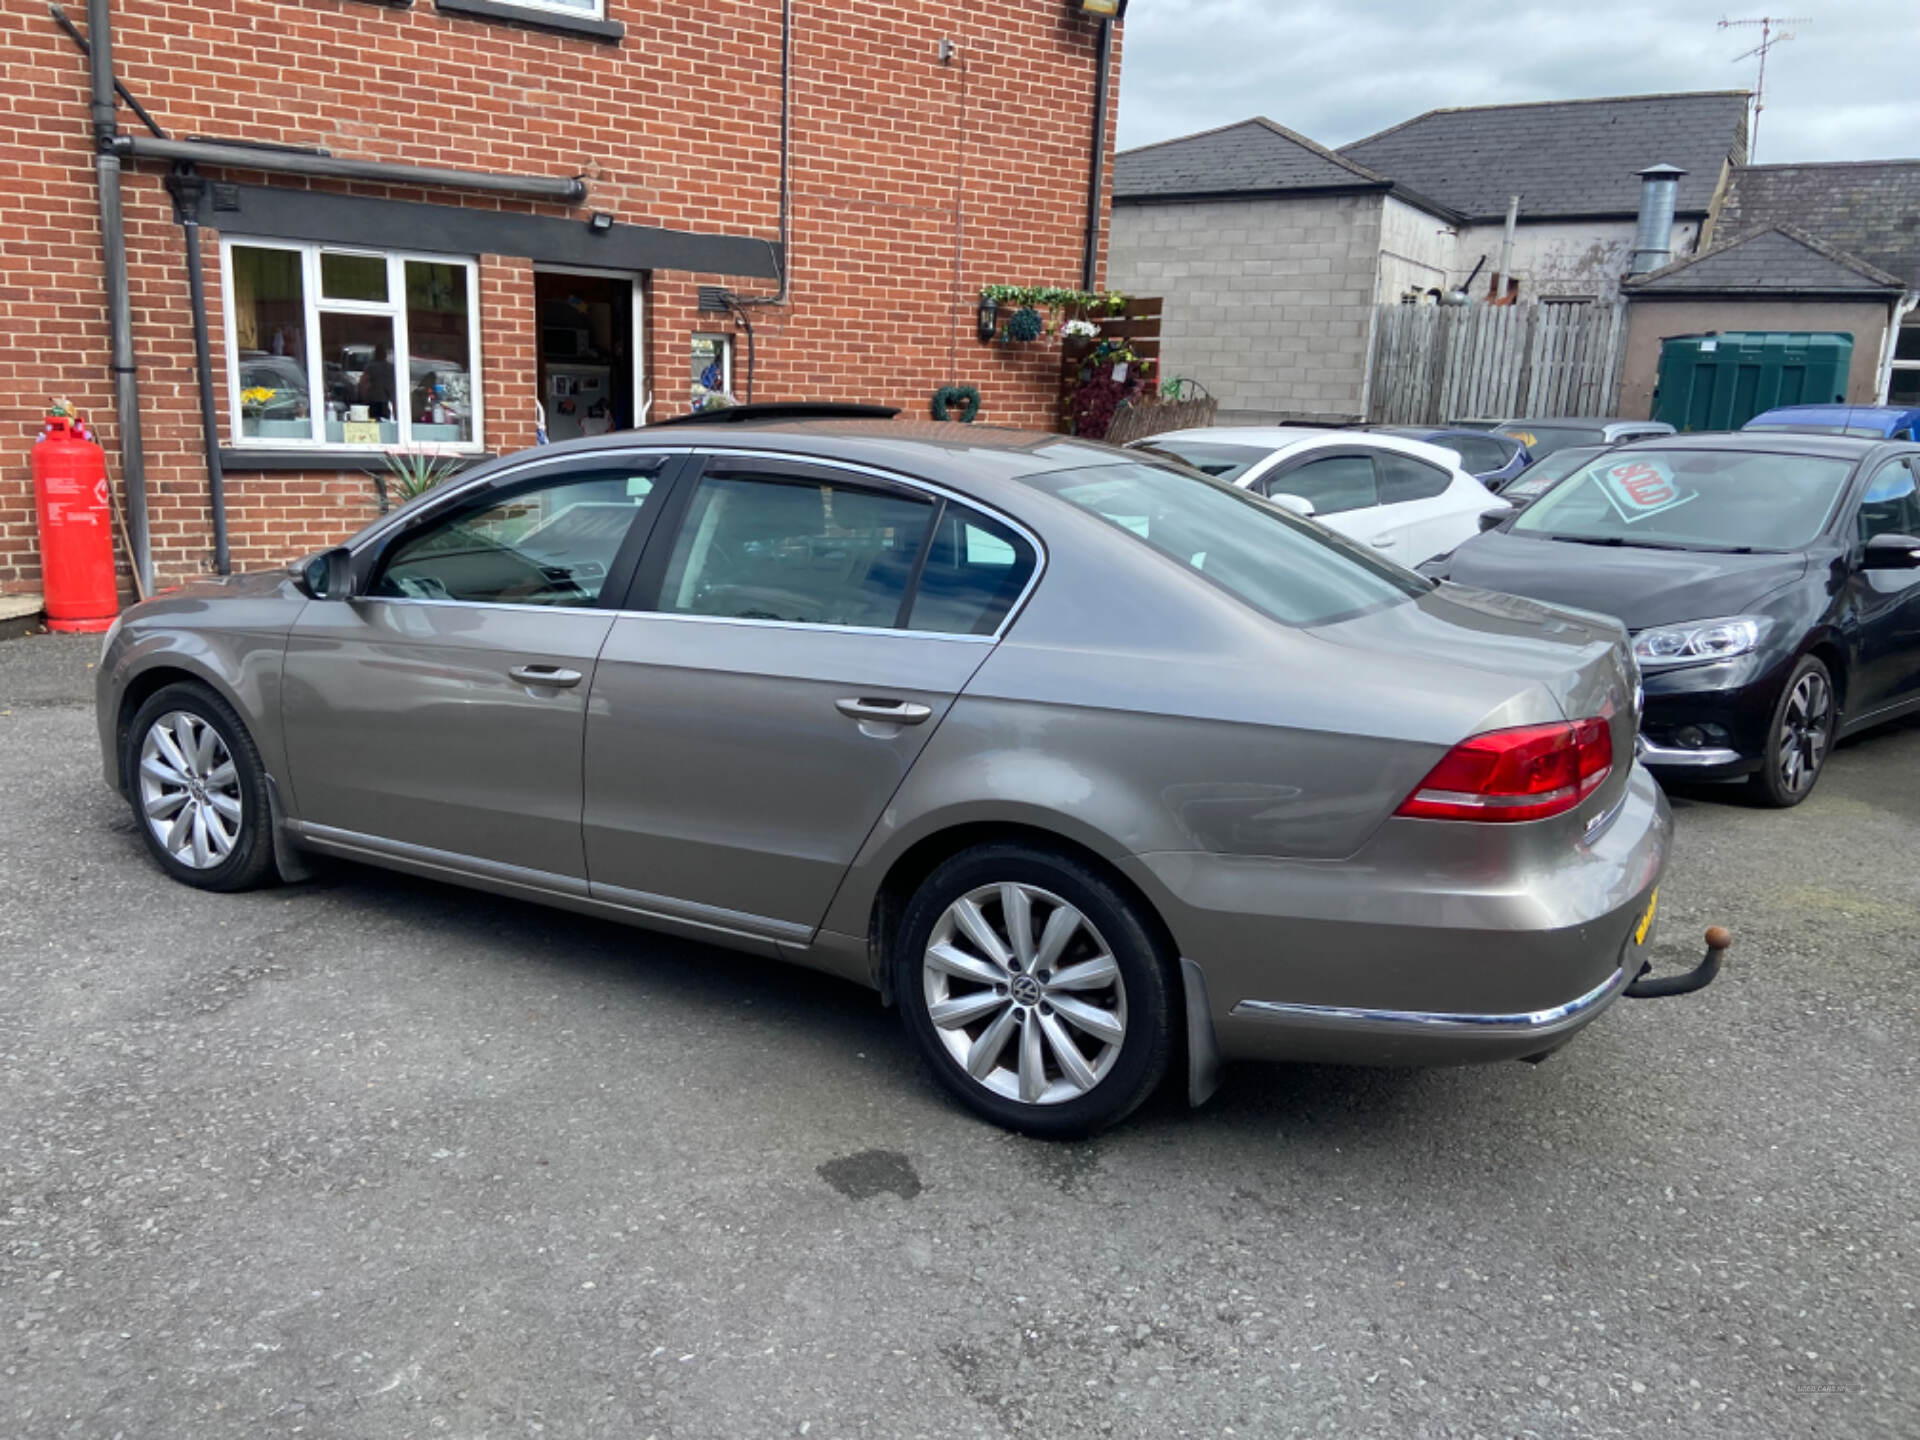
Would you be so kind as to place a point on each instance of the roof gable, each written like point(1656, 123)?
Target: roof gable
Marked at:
point(1563, 157)
point(1255, 155)
point(1867, 208)
point(1780, 261)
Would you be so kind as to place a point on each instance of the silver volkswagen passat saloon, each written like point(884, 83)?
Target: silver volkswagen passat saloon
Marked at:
point(1094, 766)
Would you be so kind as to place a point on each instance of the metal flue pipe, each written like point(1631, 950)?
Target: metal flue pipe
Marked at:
point(1653, 236)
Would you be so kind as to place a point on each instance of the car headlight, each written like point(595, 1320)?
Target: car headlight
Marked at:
point(1698, 640)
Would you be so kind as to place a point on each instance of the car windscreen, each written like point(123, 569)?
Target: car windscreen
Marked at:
point(1692, 500)
point(1540, 475)
point(1209, 457)
point(1543, 440)
point(1281, 565)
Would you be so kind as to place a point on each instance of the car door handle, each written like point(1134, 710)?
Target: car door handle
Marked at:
point(1383, 542)
point(550, 677)
point(894, 712)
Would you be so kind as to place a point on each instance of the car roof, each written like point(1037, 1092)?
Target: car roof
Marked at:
point(1286, 437)
point(1766, 442)
point(1893, 417)
point(1578, 422)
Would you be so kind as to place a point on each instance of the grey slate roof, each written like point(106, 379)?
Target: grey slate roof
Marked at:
point(1868, 208)
point(1562, 157)
point(1253, 155)
point(1777, 261)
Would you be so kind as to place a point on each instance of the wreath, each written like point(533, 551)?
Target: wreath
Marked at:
point(948, 395)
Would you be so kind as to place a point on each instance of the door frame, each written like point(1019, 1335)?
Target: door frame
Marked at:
point(636, 342)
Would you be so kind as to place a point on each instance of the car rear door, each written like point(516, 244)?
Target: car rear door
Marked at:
point(1885, 668)
point(438, 715)
point(796, 632)
point(1438, 508)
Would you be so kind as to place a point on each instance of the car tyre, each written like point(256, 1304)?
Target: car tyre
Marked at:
point(1059, 1036)
point(198, 790)
point(1799, 737)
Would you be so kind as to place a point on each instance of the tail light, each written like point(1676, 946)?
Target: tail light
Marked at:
point(1526, 773)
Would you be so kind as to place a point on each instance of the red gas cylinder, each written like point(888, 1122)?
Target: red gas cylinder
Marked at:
point(76, 526)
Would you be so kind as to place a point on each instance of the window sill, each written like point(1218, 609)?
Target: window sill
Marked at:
point(584, 27)
point(316, 459)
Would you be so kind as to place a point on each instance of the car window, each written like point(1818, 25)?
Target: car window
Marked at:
point(1891, 505)
point(811, 552)
point(1401, 477)
point(1333, 483)
point(1692, 499)
point(975, 569)
point(1543, 440)
point(1209, 457)
point(548, 545)
point(1478, 455)
point(1279, 564)
point(1538, 476)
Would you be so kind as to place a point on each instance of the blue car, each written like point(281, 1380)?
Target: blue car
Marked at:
point(1880, 422)
point(1491, 459)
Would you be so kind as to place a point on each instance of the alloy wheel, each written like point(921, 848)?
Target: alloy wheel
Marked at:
point(190, 790)
point(1806, 727)
point(1024, 993)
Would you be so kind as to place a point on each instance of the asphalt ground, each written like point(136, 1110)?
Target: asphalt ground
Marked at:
point(377, 1157)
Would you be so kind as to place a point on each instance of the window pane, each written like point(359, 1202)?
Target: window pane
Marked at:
point(1339, 482)
point(712, 371)
point(439, 341)
point(551, 546)
point(1477, 456)
point(1404, 478)
point(1282, 566)
point(1903, 387)
point(1891, 505)
point(269, 331)
point(974, 572)
point(809, 553)
point(357, 353)
point(1907, 346)
point(353, 277)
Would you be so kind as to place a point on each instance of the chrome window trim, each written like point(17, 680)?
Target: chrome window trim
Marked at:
point(611, 614)
point(1432, 1020)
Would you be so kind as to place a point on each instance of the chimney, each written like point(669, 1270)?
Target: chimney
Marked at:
point(1653, 240)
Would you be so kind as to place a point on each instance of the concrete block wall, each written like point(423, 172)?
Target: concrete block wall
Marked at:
point(1266, 302)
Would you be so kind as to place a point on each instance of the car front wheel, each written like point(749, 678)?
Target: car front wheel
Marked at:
point(198, 790)
point(1799, 738)
point(1037, 991)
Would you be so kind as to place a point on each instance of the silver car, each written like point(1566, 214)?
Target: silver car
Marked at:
point(1094, 766)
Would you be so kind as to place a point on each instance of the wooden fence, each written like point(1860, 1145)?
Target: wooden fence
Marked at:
point(1436, 363)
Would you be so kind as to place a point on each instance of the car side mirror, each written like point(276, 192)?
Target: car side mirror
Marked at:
point(1892, 552)
point(328, 575)
point(1491, 518)
point(1298, 504)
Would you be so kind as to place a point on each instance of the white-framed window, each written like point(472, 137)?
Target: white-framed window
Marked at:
point(595, 8)
point(1903, 380)
point(366, 350)
point(712, 370)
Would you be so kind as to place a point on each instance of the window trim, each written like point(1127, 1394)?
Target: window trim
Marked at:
point(313, 306)
point(562, 20)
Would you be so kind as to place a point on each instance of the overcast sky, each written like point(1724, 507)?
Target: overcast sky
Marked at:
point(1845, 88)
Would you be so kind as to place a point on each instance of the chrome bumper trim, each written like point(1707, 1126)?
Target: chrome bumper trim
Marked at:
point(1429, 1020)
point(1648, 753)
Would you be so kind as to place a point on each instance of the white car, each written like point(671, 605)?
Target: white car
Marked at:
point(1407, 499)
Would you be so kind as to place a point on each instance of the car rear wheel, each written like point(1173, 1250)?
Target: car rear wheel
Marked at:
point(1799, 738)
point(198, 790)
point(1037, 991)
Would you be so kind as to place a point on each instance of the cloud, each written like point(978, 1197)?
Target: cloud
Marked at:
point(1842, 89)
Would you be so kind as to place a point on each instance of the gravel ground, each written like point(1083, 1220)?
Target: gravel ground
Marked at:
point(376, 1157)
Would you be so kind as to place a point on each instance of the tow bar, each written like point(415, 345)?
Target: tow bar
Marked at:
point(1643, 987)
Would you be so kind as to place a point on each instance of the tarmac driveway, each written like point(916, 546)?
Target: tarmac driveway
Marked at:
point(377, 1157)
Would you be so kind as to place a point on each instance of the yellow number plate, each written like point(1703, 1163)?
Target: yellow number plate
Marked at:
point(1646, 920)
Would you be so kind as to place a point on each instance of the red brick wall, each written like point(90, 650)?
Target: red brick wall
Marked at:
point(678, 126)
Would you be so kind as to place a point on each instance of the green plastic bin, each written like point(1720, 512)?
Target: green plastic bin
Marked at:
point(1721, 381)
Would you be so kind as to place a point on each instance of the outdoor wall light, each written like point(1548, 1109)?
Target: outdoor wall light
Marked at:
point(601, 222)
point(1105, 9)
point(984, 321)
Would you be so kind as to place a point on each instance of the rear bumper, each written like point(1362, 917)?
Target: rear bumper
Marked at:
point(1381, 961)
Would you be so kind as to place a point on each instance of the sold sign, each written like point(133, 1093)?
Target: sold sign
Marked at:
point(1641, 487)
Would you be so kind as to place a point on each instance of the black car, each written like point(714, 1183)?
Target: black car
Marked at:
point(1771, 582)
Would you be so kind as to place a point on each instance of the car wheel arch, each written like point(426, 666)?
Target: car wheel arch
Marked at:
point(146, 682)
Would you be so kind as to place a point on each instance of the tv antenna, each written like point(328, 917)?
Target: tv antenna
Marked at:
point(1770, 36)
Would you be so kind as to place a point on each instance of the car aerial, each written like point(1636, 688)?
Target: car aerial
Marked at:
point(1546, 434)
point(1491, 459)
point(1406, 499)
point(1091, 764)
point(1539, 477)
point(1886, 422)
point(1769, 580)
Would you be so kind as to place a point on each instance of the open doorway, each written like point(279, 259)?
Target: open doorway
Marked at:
point(588, 349)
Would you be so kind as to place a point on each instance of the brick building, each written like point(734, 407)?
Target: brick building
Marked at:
point(931, 152)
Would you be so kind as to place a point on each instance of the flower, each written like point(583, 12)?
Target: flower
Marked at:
point(258, 394)
point(1080, 329)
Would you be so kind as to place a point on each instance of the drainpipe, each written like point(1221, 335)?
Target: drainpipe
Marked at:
point(1503, 277)
point(1090, 267)
point(113, 235)
point(187, 188)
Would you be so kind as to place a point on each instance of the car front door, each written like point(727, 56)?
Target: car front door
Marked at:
point(796, 633)
point(1344, 491)
point(1885, 671)
point(438, 714)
